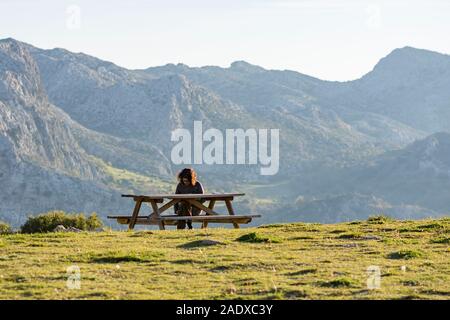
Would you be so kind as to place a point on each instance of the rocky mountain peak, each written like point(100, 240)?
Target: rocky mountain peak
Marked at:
point(244, 66)
point(409, 61)
point(19, 73)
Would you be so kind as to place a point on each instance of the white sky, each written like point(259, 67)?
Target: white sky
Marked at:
point(333, 40)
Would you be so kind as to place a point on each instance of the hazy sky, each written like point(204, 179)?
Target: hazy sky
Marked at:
point(334, 39)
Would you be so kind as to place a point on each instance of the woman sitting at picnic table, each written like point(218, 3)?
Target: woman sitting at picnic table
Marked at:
point(187, 184)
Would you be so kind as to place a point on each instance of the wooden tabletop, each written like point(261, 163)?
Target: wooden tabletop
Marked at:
point(186, 196)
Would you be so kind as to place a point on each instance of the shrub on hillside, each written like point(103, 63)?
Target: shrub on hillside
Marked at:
point(379, 219)
point(405, 254)
point(47, 222)
point(5, 228)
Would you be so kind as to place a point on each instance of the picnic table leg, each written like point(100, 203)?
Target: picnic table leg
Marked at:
point(163, 208)
point(156, 213)
point(231, 212)
point(210, 206)
point(201, 206)
point(137, 207)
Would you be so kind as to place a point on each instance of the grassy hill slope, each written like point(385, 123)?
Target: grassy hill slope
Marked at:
point(285, 261)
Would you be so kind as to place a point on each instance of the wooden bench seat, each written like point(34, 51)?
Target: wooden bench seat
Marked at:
point(173, 219)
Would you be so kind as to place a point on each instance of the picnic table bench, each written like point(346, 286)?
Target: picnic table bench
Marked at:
point(156, 217)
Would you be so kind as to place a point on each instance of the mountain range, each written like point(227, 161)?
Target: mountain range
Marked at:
point(76, 131)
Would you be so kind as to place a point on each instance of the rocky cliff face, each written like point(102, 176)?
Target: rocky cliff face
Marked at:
point(48, 161)
point(32, 129)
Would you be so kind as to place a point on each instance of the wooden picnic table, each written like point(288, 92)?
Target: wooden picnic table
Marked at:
point(156, 217)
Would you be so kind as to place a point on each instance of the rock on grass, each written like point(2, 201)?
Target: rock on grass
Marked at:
point(257, 238)
point(200, 243)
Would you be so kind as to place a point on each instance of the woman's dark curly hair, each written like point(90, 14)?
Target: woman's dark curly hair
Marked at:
point(188, 173)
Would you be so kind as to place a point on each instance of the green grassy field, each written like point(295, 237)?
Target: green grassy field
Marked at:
point(286, 261)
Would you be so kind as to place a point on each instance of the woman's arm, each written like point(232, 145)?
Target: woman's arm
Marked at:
point(199, 188)
point(176, 205)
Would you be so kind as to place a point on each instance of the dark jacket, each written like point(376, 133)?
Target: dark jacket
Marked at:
point(184, 189)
